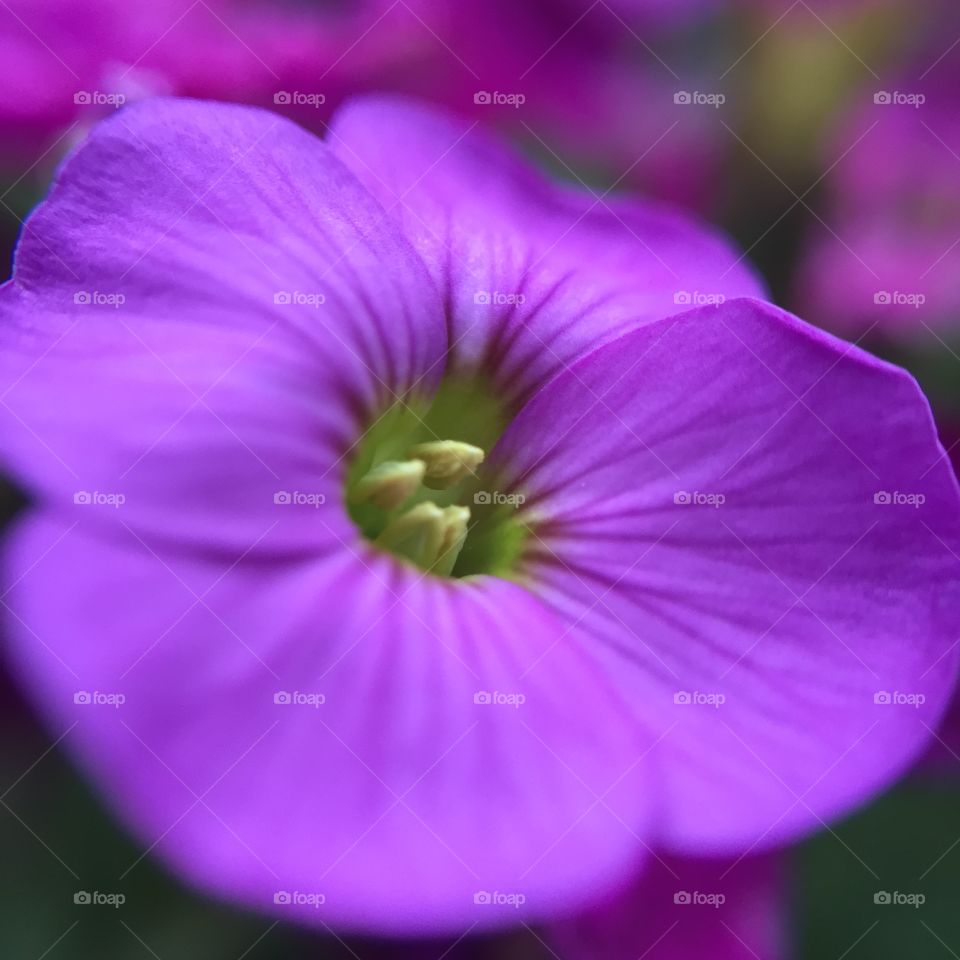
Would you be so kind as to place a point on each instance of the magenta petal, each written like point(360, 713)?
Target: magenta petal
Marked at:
point(402, 800)
point(686, 909)
point(755, 526)
point(205, 313)
point(534, 275)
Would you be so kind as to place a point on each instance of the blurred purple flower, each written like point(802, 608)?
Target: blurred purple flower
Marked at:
point(217, 323)
point(645, 11)
point(596, 92)
point(886, 258)
point(589, 86)
point(943, 754)
point(686, 909)
point(70, 61)
point(942, 758)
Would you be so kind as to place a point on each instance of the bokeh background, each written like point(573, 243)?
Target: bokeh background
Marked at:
point(824, 135)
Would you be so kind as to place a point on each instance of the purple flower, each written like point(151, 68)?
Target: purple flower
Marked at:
point(593, 87)
point(70, 61)
point(885, 257)
point(654, 10)
point(686, 908)
point(705, 541)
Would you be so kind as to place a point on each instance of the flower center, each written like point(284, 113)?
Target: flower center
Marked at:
point(418, 487)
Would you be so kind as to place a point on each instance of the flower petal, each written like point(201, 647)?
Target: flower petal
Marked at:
point(184, 610)
point(754, 525)
point(399, 798)
point(207, 311)
point(533, 275)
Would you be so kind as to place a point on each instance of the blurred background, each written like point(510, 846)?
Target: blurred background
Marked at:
point(824, 135)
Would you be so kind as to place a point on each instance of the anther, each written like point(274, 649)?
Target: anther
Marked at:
point(429, 536)
point(390, 483)
point(448, 461)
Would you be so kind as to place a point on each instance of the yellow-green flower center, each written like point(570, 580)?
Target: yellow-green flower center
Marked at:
point(417, 487)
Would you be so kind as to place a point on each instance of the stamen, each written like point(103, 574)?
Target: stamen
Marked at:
point(429, 536)
point(454, 535)
point(416, 535)
point(413, 469)
point(390, 483)
point(448, 461)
